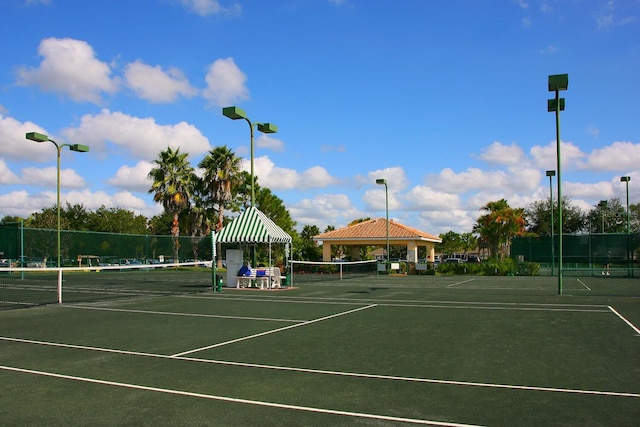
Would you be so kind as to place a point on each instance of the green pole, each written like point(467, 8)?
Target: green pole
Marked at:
point(59, 149)
point(557, 83)
point(559, 193)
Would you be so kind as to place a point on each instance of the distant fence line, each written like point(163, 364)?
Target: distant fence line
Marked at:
point(41, 244)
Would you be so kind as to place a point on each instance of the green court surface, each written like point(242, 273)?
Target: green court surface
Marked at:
point(378, 351)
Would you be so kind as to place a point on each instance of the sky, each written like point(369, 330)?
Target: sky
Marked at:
point(446, 100)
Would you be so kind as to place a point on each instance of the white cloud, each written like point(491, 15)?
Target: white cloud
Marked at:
point(6, 176)
point(142, 138)
point(546, 157)
point(156, 85)
point(133, 178)
point(210, 7)
point(273, 144)
point(615, 157)
point(325, 209)
point(396, 178)
point(69, 67)
point(225, 83)
point(471, 179)
point(48, 177)
point(277, 178)
point(608, 16)
point(501, 154)
point(425, 198)
point(16, 147)
point(122, 199)
point(22, 204)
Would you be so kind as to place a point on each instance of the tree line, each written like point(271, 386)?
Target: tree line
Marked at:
point(196, 203)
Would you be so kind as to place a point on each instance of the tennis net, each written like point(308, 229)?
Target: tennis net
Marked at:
point(310, 271)
point(24, 287)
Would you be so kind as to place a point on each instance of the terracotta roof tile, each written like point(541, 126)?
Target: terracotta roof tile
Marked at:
point(376, 229)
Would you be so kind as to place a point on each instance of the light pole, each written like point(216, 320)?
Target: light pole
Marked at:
point(626, 180)
point(551, 174)
point(382, 181)
point(40, 137)
point(236, 113)
point(602, 205)
point(558, 82)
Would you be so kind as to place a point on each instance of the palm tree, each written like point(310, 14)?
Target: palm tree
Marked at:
point(499, 225)
point(173, 180)
point(221, 175)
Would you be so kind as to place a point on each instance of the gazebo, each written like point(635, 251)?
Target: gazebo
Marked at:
point(253, 226)
point(374, 233)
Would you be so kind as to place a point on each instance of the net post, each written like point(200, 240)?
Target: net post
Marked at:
point(59, 285)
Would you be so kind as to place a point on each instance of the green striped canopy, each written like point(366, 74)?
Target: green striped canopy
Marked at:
point(252, 226)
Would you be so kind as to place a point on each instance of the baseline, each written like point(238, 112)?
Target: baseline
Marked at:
point(171, 313)
point(326, 372)
point(236, 400)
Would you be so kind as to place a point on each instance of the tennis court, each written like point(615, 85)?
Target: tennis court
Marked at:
point(381, 351)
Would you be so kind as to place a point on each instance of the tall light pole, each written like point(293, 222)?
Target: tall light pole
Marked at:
point(382, 181)
point(626, 180)
point(40, 137)
point(551, 174)
point(558, 82)
point(602, 205)
point(236, 113)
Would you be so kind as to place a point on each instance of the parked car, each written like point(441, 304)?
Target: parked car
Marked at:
point(454, 260)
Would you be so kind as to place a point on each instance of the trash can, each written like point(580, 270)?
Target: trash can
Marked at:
point(284, 280)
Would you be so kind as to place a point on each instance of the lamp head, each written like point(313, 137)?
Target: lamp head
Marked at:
point(381, 181)
point(234, 113)
point(558, 82)
point(551, 173)
point(79, 148)
point(552, 105)
point(625, 178)
point(267, 128)
point(38, 137)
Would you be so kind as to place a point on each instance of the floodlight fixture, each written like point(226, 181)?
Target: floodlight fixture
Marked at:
point(235, 113)
point(382, 181)
point(41, 137)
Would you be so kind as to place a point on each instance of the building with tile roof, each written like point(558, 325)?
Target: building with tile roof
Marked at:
point(374, 233)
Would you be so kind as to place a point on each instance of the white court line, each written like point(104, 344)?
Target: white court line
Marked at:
point(625, 320)
point(170, 313)
point(272, 331)
point(236, 400)
point(583, 284)
point(325, 372)
point(383, 302)
point(460, 283)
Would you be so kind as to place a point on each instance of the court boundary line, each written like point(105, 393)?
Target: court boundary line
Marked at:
point(273, 331)
point(235, 400)
point(624, 319)
point(173, 313)
point(327, 372)
point(583, 284)
point(460, 283)
point(596, 308)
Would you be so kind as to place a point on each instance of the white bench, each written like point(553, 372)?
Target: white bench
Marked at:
point(266, 277)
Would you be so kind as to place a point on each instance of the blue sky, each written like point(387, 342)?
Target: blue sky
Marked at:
point(444, 99)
